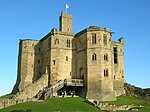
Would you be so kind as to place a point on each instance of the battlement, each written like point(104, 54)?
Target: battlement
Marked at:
point(89, 60)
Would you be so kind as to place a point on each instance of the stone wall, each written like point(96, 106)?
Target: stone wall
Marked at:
point(111, 107)
point(137, 92)
point(9, 102)
point(90, 63)
point(63, 55)
point(31, 90)
point(118, 68)
point(26, 58)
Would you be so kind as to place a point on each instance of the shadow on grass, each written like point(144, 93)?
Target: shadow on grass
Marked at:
point(88, 102)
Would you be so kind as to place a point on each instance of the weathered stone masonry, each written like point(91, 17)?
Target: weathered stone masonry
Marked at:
point(90, 55)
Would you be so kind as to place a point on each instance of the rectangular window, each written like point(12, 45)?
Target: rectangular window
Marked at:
point(38, 61)
point(54, 62)
point(39, 49)
point(115, 55)
point(66, 58)
point(68, 42)
point(94, 38)
point(105, 39)
point(106, 73)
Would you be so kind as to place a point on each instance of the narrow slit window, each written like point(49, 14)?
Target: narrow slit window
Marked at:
point(94, 38)
point(105, 72)
point(105, 39)
point(106, 57)
point(68, 42)
point(54, 62)
point(38, 61)
point(66, 58)
point(115, 55)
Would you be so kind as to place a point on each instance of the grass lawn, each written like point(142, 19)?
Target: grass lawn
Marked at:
point(8, 96)
point(131, 100)
point(75, 105)
point(55, 105)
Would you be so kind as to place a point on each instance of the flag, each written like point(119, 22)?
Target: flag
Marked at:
point(67, 6)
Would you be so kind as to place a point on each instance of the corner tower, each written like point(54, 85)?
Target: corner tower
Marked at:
point(65, 22)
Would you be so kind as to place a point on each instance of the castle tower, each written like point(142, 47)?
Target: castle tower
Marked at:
point(90, 55)
point(25, 64)
point(61, 50)
point(65, 21)
point(94, 63)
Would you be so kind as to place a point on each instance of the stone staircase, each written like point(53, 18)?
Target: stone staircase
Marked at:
point(48, 92)
point(40, 89)
point(36, 89)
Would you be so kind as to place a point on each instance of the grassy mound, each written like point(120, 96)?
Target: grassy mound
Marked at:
point(55, 105)
point(122, 100)
point(75, 105)
point(8, 96)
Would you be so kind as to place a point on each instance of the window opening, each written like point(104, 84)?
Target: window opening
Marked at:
point(66, 58)
point(106, 57)
point(68, 42)
point(54, 62)
point(38, 61)
point(94, 56)
point(105, 39)
point(94, 38)
point(56, 41)
point(106, 73)
point(115, 55)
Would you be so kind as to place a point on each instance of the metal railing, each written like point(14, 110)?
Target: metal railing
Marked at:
point(75, 82)
point(47, 92)
point(54, 88)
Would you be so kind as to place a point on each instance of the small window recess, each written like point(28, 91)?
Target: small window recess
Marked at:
point(106, 73)
point(38, 61)
point(68, 42)
point(94, 38)
point(56, 41)
point(66, 58)
point(106, 57)
point(105, 39)
point(114, 77)
point(39, 49)
point(93, 56)
point(54, 62)
point(115, 55)
point(67, 29)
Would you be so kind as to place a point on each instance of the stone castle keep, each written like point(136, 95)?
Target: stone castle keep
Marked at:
point(87, 63)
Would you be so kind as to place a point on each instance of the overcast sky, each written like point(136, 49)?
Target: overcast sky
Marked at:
point(33, 19)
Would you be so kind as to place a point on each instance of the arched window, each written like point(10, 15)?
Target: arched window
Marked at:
point(106, 57)
point(105, 39)
point(56, 41)
point(93, 56)
point(93, 38)
point(106, 73)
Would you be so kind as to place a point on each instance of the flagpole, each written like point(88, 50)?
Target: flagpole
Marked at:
point(66, 10)
point(67, 6)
